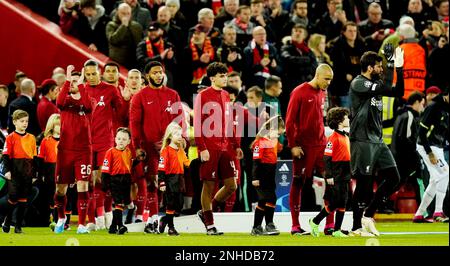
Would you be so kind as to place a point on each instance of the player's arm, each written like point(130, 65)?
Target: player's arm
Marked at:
point(427, 121)
point(328, 161)
point(136, 111)
point(106, 170)
point(62, 96)
point(86, 100)
point(162, 169)
point(292, 117)
point(256, 171)
point(7, 162)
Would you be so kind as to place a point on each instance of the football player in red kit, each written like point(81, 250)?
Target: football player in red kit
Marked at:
point(74, 159)
point(151, 111)
point(107, 101)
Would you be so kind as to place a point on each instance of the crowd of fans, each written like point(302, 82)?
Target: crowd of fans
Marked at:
point(269, 47)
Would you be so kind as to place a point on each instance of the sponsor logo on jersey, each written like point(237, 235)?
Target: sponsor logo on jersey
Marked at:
point(101, 102)
point(329, 147)
point(161, 163)
point(169, 107)
point(367, 84)
point(377, 103)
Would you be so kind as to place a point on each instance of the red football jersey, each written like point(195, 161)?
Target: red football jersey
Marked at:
point(173, 161)
point(117, 162)
point(108, 100)
point(266, 150)
point(75, 119)
point(304, 117)
point(151, 111)
point(49, 149)
point(210, 135)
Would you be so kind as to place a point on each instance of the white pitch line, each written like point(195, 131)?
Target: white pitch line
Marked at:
point(414, 233)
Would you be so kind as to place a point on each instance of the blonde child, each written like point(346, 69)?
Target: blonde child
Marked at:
point(265, 149)
point(170, 172)
point(47, 155)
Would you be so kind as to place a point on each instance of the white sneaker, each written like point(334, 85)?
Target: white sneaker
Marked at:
point(100, 222)
point(91, 227)
point(108, 219)
point(360, 232)
point(369, 224)
point(82, 229)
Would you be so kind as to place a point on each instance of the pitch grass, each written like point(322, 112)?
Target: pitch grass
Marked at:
point(45, 237)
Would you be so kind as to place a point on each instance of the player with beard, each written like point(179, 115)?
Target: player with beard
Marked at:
point(151, 111)
point(369, 154)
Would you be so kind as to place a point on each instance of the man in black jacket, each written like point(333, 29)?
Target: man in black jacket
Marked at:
point(27, 103)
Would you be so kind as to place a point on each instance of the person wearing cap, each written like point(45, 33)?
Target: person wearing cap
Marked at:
point(46, 106)
point(430, 93)
point(123, 35)
point(154, 47)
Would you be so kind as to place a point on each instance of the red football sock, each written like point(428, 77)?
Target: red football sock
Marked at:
point(294, 201)
point(209, 219)
point(60, 205)
point(229, 203)
point(91, 207)
point(141, 196)
point(82, 207)
point(152, 201)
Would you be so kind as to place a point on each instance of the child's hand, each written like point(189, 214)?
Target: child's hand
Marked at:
point(162, 187)
point(140, 154)
point(255, 183)
point(8, 175)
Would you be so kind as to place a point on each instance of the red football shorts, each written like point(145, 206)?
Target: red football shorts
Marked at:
point(73, 166)
point(311, 160)
point(221, 165)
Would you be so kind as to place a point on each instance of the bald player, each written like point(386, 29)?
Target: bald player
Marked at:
point(305, 134)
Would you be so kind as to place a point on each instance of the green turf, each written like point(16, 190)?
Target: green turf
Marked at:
point(44, 237)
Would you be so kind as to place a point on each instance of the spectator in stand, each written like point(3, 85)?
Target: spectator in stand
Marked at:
point(299, 15)
point(139, 14)
point(441, 7)
point(317, 43)
point(431, 35)
point(227, 13)
point(91, 26)
point(197, 56)
point(417, 12)
point(260, 18)
point(438, 64)
point(14, 87)
point(156, 48)
point(243, 26)
point(229, 53)
point(375, 29)
point(47, 106)
point(68, 14)
point(172, 32)
point(261, 59)
point(123, 35)
point(330, 24)
point(299, 62)
point(26, 103)
point(278, 18)
point(206, 20)
point(177, 17)
point(345, 54)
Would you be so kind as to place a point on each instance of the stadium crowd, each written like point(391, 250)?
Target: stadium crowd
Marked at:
point(269, 47)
